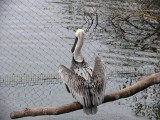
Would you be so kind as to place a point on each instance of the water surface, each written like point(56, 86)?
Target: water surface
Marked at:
point(36, 37)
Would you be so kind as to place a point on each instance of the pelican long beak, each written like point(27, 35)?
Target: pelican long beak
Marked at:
point(74, 45)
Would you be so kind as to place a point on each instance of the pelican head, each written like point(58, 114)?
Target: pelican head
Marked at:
point(78, 39)
point(80, 33)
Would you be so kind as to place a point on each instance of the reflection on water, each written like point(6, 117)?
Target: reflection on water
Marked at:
point(37, 36)
point(130, 53)
point(148, 103)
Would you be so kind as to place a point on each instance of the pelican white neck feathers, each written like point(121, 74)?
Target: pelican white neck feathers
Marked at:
point(76, 49)
point(86, 84)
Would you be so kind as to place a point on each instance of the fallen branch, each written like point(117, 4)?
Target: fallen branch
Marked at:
point(142, 84)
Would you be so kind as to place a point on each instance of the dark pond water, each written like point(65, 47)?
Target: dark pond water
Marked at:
point(36, 37)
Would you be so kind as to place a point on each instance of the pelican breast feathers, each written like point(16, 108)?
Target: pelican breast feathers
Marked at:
point(87, 92)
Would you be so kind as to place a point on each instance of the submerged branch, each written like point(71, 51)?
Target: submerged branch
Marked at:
point(142, 84)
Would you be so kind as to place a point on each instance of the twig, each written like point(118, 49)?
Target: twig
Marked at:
point(142, 84)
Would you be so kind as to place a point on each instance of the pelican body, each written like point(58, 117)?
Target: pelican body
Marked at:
point(86, 84)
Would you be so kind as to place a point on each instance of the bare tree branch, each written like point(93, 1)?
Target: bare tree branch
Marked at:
point(142, 84)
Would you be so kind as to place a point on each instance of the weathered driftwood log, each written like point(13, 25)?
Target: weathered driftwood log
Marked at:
point(142, 84)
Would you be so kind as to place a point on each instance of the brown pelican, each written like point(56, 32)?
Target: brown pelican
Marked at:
point(87, 85)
